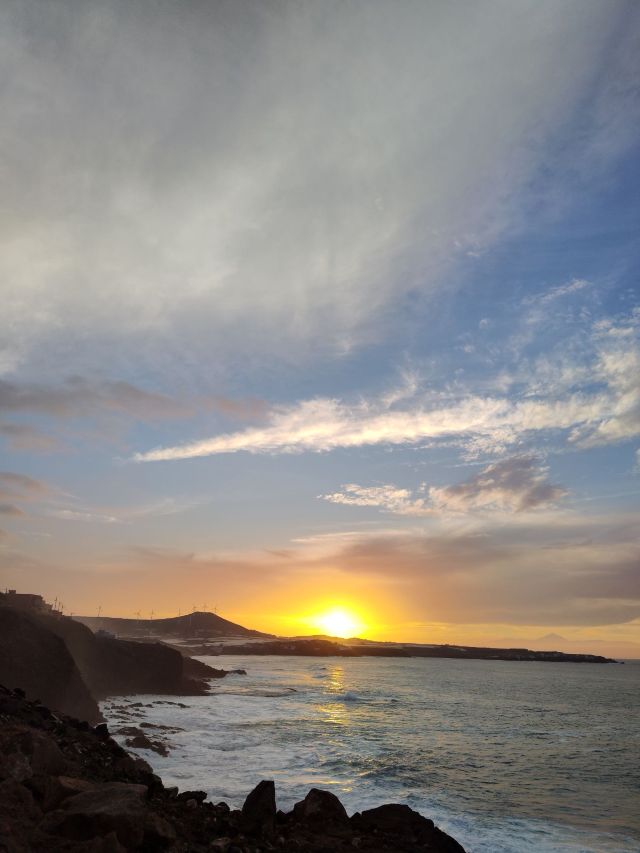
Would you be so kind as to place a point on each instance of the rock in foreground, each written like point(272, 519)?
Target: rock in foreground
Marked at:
point(65, 786)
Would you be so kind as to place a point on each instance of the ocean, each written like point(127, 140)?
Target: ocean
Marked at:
point(507, 757)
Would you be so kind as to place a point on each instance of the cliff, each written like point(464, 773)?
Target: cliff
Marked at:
point(38, 661)
point(61, 662)
point(67, 787)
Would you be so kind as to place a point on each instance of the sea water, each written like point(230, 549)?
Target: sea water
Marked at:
point(508, 757)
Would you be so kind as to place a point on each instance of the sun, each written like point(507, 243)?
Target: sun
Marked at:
point(338, 622)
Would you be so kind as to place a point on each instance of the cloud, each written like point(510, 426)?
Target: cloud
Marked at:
point(12, 484)
point(388, 497)
point(556, 571)
point(549, 296)
point(19, 488)
point(123, 514)
point(582, 571)
point(596, 400)
point(25, 437)
point(82, 515)
point(77, 397)
point(516, 485)
point(10, 509)
point(196, 202)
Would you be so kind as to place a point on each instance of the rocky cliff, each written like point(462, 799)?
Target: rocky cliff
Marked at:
point(39, 662)
point(61, 662)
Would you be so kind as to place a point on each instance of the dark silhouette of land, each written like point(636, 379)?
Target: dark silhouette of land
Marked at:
point(198, 623)
point(353, 648)
point(63, 663)
point(198, 633)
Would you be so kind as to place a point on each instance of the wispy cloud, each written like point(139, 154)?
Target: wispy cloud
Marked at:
point(601, 405)
point(122, 514)
point(419, 158)
point(20, 485)
point(572, 571)
point(388, 497)
point(16, 489)
point(518, 484)
point(25, 437)
point(79, 397)
point(558, 292)
point(10, 509)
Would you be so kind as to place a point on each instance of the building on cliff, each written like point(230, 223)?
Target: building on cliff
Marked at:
point(25, 601)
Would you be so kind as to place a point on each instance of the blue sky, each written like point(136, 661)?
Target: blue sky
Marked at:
point(307, 305)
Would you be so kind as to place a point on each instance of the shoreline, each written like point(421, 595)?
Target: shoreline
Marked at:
point(68, 786)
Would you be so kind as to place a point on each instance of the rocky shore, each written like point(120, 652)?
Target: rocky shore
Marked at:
point(68, 786)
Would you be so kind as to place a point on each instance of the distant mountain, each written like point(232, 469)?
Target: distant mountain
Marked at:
point(552, 638)
point(199, 624)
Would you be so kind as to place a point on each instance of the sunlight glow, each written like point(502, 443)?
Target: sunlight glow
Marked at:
point(338, 622)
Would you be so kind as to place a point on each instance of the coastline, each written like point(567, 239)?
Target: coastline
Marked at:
point(68, 786)
point(503, 757)
point(146, 728)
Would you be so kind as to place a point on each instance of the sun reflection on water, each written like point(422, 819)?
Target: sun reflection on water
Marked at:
point(336, 680)
point(334, 712)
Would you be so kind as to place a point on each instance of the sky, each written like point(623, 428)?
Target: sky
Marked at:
point(311, 305)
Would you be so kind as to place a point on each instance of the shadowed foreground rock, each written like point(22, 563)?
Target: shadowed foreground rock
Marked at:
point(65, 786)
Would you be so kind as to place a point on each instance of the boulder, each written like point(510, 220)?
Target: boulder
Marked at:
point(105, 844)
point(158, 832)
point(321, 809)
point(393, 818)
point(55, 789)
point(141, 741)
point(406, 825)
point(113, 807)
point(259, 809)
point(43, 753)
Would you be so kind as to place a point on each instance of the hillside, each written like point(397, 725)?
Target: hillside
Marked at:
point(61, 662)
point(198, 624)
point(37, 660)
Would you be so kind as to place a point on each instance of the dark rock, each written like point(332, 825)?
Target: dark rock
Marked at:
point(392, 817)
point(404, 824)
point(113, 807)
point(107, 844)
point(38, 663)
point(106, 802)
point(43, 753)
point(198, 796)
point(321, 809)
point(55, 789)
point(141, 741)
point(259, 809)
point(158, 832)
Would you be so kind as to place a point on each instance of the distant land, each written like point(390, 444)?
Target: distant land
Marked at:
point(197, 624)
point(203, 633)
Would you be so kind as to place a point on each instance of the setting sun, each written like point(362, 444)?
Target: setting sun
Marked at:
point(338, 622)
